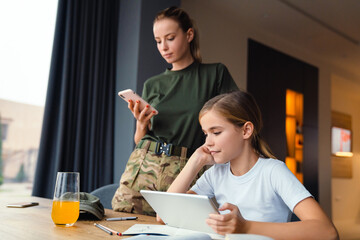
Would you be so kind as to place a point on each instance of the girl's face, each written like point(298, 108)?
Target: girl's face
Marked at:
point(224, 140)
point(172, 42)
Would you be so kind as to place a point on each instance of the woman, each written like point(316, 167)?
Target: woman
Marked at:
point(256, 192)
point(166, 140)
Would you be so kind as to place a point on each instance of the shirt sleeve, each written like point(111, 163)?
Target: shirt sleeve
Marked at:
point(226, 83)
point(287, 186)
point(145, 94)
point(203, 185)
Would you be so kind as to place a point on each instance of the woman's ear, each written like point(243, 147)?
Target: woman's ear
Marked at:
point(248, 130)
point(190, 35)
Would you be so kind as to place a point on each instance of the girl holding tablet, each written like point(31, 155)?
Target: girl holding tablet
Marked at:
point(256, 192)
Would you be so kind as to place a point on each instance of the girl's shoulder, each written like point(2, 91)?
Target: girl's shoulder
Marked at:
point(269, 164)
point(271, 161)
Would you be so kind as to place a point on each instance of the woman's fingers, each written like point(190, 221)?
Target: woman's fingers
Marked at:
point(143, 116)
point(140, 115)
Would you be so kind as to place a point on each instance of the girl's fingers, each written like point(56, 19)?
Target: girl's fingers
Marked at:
point(219, 227)
point(228, 206)
point(158, 219)
point(220, 217)
point(214, 222)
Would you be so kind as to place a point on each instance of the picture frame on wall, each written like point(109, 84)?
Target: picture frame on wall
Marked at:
point(341, 145)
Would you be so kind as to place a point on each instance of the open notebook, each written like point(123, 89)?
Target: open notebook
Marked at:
point(151, 231)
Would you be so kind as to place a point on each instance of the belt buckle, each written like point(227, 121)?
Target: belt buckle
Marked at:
point(163, 148)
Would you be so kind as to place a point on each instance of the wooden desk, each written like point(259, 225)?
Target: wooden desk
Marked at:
point(36, 223)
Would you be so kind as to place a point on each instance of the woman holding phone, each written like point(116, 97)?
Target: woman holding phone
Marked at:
point(167, 139)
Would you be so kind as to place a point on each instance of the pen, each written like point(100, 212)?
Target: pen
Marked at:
point(135, 234)
point(121, 218)
point(127, 234)
point(113, 231)
point(102, 228)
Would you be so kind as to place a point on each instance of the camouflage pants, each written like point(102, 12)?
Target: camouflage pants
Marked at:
point(145, 170)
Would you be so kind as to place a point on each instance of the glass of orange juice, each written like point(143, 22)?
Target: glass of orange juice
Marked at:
point(66, 202)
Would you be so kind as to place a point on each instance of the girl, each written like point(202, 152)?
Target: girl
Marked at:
point(165, 141)
point(256, 191)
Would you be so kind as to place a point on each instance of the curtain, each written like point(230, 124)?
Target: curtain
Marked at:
point(77, 132)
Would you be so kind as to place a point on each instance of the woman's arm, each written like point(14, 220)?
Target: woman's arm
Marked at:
point(199, 159)
point(313, 224)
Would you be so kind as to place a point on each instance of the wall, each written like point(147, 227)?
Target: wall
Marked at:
point(346, 99)
point(222, 40)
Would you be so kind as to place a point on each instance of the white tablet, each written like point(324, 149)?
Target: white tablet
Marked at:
point(181, 210)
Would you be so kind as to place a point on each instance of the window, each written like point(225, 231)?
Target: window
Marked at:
point(4, 129)
point(27, 33)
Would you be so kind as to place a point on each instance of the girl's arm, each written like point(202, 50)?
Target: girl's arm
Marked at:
point(196, 162)
point(181, 184)
point(313, 224)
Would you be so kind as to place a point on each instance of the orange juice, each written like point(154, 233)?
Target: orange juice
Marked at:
point(65, 212)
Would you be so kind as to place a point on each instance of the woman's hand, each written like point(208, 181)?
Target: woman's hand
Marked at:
point(140, 116)
point(232, 222)
point(142, 120)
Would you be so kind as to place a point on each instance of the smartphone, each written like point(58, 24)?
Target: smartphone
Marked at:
point(129, 94)
point(22, 204)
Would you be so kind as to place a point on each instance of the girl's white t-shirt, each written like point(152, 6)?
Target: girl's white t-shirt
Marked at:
point(268, 192)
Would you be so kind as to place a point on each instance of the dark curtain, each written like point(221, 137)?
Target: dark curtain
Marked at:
point(77, 132)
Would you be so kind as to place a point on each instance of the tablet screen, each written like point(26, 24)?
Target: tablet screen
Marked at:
point(188, 211)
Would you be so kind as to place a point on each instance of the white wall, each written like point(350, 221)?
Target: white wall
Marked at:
point(222, 40)
point(345, 95)
point(345, 98)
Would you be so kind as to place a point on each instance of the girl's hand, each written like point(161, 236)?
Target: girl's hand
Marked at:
point(196, 162)
point(159, 220)
point(232, 222)
point(202, 156)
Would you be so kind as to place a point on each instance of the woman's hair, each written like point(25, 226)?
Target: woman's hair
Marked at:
point(238, 108)
point(185, 22)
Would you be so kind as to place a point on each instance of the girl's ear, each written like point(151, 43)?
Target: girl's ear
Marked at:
point(190, 35)
point(248, 130)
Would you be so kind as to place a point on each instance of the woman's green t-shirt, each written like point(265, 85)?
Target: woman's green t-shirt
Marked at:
point(179, 97)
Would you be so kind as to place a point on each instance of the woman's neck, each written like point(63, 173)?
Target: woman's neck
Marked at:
point(183, 63)
point(243, 163)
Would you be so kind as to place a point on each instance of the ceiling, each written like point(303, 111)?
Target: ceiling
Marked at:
point(328, 28)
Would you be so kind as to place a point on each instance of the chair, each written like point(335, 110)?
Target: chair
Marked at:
point(106, 193)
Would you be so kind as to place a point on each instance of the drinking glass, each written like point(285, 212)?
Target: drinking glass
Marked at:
point(66, 201)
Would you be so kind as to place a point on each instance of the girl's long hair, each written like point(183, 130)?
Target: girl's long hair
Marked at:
point(238, 108)
point(185, 22)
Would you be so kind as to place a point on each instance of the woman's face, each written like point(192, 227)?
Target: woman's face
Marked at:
point(172, 42)
point(223, 139)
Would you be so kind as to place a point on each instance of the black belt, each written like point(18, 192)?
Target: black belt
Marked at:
point(167, 149)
